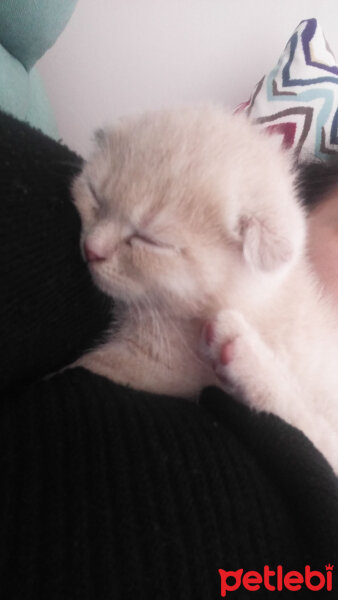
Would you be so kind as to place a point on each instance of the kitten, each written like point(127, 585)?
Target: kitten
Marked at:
point(191, 217)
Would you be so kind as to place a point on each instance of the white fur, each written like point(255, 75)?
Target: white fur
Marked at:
point(196, 218)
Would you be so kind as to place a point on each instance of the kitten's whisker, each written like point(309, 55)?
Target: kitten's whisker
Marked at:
point(166, 348)
point(185, 343)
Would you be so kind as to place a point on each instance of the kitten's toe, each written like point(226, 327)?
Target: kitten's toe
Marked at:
point(219, 342)
point(227, 353)
point(230, 365)
point(227, 344)
point(222, 366)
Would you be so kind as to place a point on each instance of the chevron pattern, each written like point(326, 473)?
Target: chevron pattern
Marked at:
point(298, 99)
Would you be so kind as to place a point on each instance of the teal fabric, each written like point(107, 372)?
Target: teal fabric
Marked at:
point(27, 29)
point(22, 94)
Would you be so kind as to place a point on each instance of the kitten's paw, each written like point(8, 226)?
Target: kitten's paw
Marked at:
point(237, 354)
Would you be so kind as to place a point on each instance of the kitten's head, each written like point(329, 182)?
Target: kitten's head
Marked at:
point(181, 206)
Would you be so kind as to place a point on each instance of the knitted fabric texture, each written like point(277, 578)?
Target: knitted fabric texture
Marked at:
point(50, 309)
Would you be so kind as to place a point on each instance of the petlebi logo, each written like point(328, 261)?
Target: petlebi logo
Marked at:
point(276, 580)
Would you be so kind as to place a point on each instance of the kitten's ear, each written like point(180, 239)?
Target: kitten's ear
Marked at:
point(101, 139)
point(269, 244)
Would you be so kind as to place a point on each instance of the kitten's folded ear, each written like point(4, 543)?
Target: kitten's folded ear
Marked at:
point(101, 139)
point(271, 242)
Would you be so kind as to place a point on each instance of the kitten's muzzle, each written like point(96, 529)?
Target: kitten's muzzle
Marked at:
point(91, 255)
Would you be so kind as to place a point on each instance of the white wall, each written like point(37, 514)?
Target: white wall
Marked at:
point(119, 56)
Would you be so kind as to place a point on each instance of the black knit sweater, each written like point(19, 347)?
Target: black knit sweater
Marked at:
point(109, 493)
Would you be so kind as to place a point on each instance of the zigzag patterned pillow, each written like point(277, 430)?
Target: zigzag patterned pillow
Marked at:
point(298, 99)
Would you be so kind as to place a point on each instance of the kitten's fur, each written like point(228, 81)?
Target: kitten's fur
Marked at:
point(194, 216)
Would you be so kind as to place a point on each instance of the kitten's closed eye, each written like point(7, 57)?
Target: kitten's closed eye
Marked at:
point(96, 197)
point(141, 239)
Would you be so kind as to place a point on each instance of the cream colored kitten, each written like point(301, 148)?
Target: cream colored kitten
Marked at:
point(191, 216)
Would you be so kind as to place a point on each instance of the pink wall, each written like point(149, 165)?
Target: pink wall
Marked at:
point(120, 56)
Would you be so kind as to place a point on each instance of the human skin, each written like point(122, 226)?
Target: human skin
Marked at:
point(323, 241)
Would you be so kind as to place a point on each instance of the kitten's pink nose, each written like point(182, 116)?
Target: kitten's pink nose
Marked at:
point(91, 255)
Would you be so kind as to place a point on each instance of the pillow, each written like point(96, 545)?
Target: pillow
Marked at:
point(27, 30)
point(298, 99)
